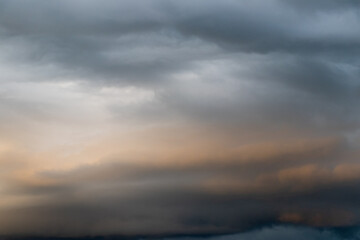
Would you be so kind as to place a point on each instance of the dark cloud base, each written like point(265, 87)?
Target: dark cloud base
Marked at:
point(271, 232)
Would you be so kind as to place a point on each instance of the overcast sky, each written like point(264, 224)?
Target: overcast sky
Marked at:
point(173, 118)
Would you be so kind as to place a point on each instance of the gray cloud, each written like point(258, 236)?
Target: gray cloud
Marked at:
point(284, 232)
point(259, 70)
point(116, 40)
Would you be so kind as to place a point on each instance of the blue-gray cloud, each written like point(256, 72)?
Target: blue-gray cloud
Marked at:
point(257, 68)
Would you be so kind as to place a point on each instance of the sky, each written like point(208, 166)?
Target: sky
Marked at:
point(225, 119)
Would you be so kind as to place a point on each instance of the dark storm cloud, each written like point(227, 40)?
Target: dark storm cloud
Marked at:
point(77, 38)
point(265, 27)
point(150, 40)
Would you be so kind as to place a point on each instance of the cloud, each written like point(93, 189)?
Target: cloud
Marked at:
point(255, 186)
point(283, 232)
point(162, 118)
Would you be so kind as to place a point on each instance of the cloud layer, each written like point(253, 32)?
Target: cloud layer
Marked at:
point(178, 117)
